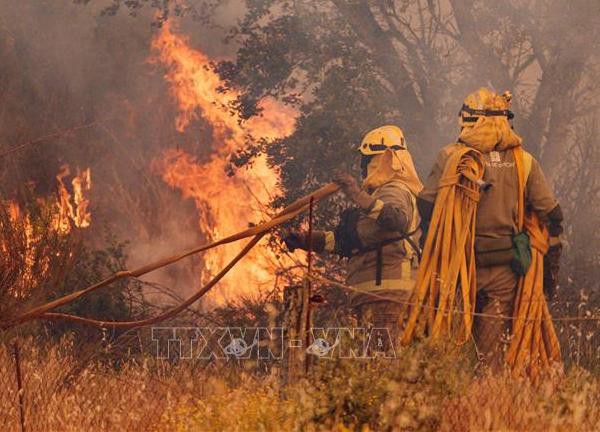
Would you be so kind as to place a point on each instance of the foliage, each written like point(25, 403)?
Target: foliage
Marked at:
point(348, 66)
point(558, 404)
point(34, 257)
point(351, 65)
point(40, 263)
point(405, 393)
point(118, 302)
point(201, 11)
point(85, 95)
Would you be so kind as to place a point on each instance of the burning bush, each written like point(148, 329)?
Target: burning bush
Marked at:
point(34, 255)
point(42, 259)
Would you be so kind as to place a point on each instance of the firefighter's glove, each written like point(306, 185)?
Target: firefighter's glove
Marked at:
point(300, 240)
point(551, 267)
point(351, 189)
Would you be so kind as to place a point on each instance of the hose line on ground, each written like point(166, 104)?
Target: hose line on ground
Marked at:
point(45, 311)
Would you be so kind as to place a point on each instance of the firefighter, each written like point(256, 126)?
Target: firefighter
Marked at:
point(379, 234)
point(485, 126)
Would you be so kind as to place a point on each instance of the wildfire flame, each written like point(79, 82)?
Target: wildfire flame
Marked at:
point(21, 221)
point(73, 209)
point(69, 209)
point(66, 211)
point(225, 204)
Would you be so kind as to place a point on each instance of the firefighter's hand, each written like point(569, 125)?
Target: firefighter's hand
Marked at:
point(301, 240)
point(295, 240)
point(350, 187)
point(347, 183)
point(551, 268)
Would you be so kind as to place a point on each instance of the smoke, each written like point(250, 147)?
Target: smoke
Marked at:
point(65, 65)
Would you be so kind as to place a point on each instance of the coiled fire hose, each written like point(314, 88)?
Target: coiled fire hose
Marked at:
point(448, 257)
point(45, 311)
point(534, 346)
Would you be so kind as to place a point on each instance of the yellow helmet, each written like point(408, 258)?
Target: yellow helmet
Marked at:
point(379, 140)
point(486, 103)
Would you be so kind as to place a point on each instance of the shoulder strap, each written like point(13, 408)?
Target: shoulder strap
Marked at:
point(523, 163)
point(527, 162)
point(519, 157)
point(413, 248)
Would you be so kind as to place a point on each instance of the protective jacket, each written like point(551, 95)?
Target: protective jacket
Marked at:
point(381, 261)
point(497, 208)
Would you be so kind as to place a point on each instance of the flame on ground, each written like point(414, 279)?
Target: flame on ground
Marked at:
point(69, 209)
point(225, 204)
point(65, 211)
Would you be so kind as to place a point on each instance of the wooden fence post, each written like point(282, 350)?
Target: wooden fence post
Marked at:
point(294, 322)
point(298, 319)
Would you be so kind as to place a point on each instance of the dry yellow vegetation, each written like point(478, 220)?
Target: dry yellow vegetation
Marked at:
point(427, 388)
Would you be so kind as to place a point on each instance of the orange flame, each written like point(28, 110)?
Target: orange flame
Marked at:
point(225, 204)
point(73, 209)
point(21, 219)
point(67, 211)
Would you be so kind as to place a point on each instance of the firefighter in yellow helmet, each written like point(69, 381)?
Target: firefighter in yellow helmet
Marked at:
point(379, 234)
point(485, 126)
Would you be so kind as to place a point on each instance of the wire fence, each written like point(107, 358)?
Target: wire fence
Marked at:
point(62, 391)
point(46, 390)
point(58, 392)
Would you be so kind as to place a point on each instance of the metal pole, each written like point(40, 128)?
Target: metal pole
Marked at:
point(20, 386)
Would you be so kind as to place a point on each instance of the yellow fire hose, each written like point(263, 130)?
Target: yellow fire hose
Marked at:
point(534, 345)
point(45, 311)
point(448, 257)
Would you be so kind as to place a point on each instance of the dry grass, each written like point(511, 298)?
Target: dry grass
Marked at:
point(61, 395)
point(428, 389)
point(570, 403)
